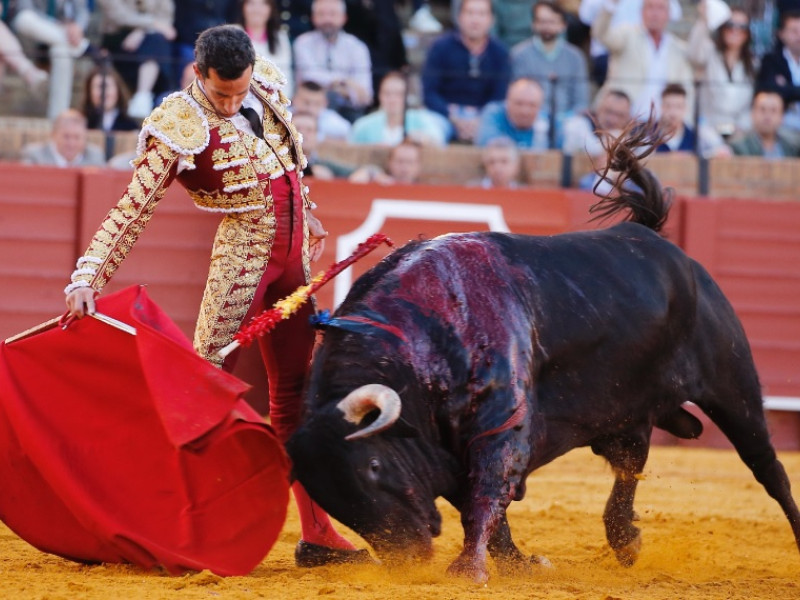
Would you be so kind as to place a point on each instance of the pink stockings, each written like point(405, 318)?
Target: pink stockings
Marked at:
point(287, 349)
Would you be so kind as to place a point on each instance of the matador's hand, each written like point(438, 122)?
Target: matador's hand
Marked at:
point(80, 302)
point(316, 237)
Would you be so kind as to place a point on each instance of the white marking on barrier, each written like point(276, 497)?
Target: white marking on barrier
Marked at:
point(787, 403)
point(782, 403)
point(419, 210)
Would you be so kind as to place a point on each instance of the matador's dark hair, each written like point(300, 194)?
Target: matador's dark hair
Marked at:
point(227, 49)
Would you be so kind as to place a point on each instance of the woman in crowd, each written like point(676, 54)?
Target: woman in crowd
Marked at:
point(105, 101)
point(725, 60)
point(393, 122)
point(262, 22)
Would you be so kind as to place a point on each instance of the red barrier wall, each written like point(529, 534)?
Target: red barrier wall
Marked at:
point(752, 249)
point(38, 224)
point(47, 217)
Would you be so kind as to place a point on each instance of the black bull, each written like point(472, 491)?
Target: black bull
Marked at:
point(493, 354)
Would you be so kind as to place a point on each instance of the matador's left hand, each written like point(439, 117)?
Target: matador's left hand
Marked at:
point(316, 237)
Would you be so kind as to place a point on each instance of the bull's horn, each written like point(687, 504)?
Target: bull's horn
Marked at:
point(365, 399)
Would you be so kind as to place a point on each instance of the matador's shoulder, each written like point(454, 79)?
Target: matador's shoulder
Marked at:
point(269, 80)
point(178, 122)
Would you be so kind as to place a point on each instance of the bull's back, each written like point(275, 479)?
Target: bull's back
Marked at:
point(566, 293)
point(615, 287)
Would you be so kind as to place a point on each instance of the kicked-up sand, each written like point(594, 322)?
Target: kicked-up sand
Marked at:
point(710, 532)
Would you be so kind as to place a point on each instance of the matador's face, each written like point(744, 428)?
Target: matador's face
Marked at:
point(225, 95)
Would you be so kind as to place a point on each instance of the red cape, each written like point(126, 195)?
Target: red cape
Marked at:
point(123, 448)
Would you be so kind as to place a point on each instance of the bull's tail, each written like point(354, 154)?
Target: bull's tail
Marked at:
point(633, 187)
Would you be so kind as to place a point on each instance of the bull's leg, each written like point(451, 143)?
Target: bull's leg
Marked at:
point(497, 468)
point(479, 520)
point(747, 430)
point(504, 551)
point(507, 557)
point(627, 455)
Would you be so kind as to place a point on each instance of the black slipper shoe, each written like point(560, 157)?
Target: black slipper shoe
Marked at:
point(309, 555)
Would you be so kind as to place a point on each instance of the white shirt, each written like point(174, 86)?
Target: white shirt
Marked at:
point(62, 162)
point(658, 60)
point(109, 117)
point(319, 59)
point(793, 108)
point(626, 11)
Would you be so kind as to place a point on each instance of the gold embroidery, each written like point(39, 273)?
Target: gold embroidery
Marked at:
point(239, 177)
point(148, 178)
point(241, 251)
point(251, 198)
point(228, 153)
point(266, 70)
point(226, 129)
point(179, 123)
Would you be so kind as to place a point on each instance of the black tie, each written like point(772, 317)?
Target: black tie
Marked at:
point(255, 121)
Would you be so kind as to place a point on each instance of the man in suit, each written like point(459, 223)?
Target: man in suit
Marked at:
point(765, 139)
point(780, 69)
point(643, 58)
point(68, 145)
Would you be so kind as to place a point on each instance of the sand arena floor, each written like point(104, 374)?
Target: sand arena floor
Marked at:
point(710, 533)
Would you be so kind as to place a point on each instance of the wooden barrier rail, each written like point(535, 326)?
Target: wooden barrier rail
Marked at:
point(729, 177)
point(17, 132)
point(732, 177)
point(47, 216)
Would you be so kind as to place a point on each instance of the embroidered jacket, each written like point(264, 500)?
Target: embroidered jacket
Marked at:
point(223, 169)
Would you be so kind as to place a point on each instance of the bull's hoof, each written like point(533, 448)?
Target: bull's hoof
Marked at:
point(522, 567)
point(469, 568)
point(629, 553)
point(514, 565)
point(541, 561)
point(308, 555)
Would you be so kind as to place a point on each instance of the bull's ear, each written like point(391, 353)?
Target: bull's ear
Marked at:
point(402, 428)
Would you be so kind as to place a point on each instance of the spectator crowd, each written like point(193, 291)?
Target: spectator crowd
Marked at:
point(721, 77)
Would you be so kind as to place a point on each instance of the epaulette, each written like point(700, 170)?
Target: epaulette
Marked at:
point(179, 123)
point(268, 79)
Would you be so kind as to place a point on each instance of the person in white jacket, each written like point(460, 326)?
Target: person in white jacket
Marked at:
point(644, 58)
point(628, 11)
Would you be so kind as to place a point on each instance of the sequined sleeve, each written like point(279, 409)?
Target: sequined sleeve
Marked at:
point(154, 172)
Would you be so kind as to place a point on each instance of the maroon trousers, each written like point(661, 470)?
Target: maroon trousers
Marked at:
point(286, 350)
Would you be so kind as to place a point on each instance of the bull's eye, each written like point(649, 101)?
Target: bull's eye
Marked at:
point(374, 466)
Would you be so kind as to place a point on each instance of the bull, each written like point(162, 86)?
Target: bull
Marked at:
point(458, 365)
